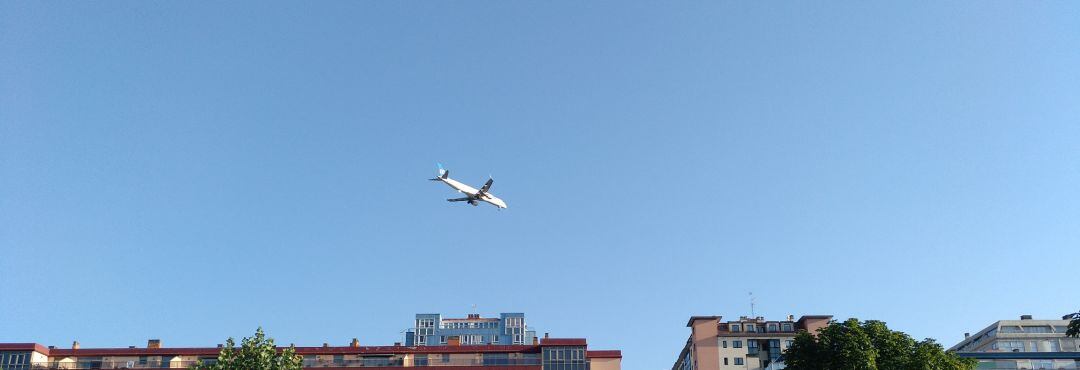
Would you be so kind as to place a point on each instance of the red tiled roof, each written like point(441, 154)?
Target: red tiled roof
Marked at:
point(388, 350)
point(133, 351)
point(209, 351)
point(562, 342)
point(604, 354)
point(23, 347)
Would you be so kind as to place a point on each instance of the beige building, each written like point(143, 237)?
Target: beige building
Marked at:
point(1022, 344)
point(743, 344)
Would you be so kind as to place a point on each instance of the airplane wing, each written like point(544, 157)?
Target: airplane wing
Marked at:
point(487, 186)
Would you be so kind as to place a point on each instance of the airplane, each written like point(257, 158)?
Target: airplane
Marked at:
point(472, 195)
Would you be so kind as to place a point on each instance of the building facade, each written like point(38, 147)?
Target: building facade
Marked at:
point(1022, 344)
point(745, 344)
point(431, 329)
point(547, 354)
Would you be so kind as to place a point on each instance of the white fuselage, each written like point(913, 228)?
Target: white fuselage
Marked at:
point(473, 192)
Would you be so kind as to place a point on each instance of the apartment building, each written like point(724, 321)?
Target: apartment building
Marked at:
point(547, 354)
point(1022, 344)
point(431, 329)
point(749, 343)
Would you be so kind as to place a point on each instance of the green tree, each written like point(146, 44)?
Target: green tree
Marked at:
point(254, 353)
point(868, 345)
point(1074, 325)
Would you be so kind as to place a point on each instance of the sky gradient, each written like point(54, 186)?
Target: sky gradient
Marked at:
point(189, 171)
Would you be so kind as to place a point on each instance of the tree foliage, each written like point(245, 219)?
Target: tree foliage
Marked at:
point(1074, 325)
point(868, 345)
point(254, 353)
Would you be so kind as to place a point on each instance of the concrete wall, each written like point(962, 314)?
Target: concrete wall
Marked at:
point(731, 353)
point(812, 325)
point(605, 364)
point(703, 336)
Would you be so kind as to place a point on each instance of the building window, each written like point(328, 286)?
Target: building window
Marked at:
point(751, 328)
point(736, 328)
point(1036, 329)
point(738, 361)
point(472, 339)
point(772, 327)
point(789, 343)
point(445, 357)
point(1009, 345)
point(786, 327)
point(515, 322)
point(1042, 364)
point(724, 343)
point(13, 359)
point(725, 361)
point(442, 339)
point(736, 344)
point(1010, 329)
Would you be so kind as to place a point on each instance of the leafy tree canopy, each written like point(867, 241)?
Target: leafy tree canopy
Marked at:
point(254, 353)
point(1074, 325)
point(868, 345)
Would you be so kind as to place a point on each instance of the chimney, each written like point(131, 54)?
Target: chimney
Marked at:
point(474, 316)
point(355, 343)
point(397, 344)
point(536, 341)
point(75, 345)
point(966, 335)
point(132, 347)
point(52, 347)
point(325, 345)
point(153, 343)
point(546, 335)
point(790, 317)
point(1025, 317)
point(220, 345)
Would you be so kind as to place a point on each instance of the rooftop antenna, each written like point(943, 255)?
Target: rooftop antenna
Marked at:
point(474, 308)
point(752, 300)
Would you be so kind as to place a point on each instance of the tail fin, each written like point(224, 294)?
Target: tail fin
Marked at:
point(442, 172)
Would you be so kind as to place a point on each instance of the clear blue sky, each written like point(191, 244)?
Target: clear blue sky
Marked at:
point(189, 171)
